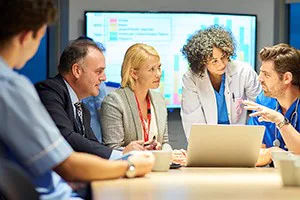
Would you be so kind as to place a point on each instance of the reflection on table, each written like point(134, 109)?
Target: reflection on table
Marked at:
point(199, 183)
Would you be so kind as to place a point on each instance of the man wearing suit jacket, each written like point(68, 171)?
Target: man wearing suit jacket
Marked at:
point(81, 71)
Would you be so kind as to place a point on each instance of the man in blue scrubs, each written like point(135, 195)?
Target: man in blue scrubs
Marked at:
point(277, 107)
point(28, 136)
point(93, 104)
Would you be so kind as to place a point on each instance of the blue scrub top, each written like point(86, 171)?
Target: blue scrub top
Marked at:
point(93, 104)
point(29, 137)
point(271, 129)
point(221, 103)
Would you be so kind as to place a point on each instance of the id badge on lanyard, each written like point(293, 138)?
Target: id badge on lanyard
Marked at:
point(145, 130)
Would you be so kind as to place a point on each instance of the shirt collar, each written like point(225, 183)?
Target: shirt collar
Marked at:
point(291, 109)
point(72, 93)
point(6, 70)
point(3, 64)
point(232, 67)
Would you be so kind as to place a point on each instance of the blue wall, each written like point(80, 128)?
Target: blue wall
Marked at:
point(36, 68)
point(294, 32)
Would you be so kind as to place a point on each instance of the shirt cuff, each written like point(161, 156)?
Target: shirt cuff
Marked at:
point(115, 155)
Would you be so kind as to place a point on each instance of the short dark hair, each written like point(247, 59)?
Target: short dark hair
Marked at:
point(101, 46)
point(75, 52)
point(199, 47)
point(24, 15)
point(286, 59)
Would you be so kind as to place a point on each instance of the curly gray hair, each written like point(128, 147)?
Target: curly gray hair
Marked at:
point(199, 47)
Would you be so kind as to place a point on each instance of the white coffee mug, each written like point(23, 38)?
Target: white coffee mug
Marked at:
point(162, 160)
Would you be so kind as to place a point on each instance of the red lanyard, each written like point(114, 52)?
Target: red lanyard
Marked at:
point(146, 133)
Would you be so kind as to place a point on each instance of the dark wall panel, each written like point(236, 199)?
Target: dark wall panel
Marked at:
point(36, 68)
point(294, 35)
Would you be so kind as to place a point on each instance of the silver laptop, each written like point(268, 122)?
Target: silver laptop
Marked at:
point(224, 145)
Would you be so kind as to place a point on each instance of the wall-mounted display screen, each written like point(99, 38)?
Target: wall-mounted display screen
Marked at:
point(167, 32)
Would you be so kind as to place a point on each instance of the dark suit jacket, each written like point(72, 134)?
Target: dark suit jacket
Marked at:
point(56, 98)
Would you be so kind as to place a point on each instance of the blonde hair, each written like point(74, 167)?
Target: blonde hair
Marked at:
point(135, 57)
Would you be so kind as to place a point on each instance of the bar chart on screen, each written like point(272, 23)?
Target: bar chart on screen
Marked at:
point(167, 33)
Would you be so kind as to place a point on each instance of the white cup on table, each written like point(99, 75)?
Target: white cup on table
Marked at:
point(162, 160)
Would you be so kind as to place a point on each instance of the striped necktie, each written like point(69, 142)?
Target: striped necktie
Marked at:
point(79, 117)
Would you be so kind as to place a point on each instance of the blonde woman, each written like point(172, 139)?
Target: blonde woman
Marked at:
point(135, 112)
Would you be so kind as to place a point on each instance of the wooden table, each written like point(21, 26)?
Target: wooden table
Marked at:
point(199, 183)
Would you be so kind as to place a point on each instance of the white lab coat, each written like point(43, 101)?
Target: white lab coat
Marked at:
point(199, 104)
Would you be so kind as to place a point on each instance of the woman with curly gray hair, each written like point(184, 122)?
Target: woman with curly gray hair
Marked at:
point(215, 85)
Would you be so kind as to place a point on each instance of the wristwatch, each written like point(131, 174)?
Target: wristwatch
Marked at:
point(283, 123)
point(130, 173)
